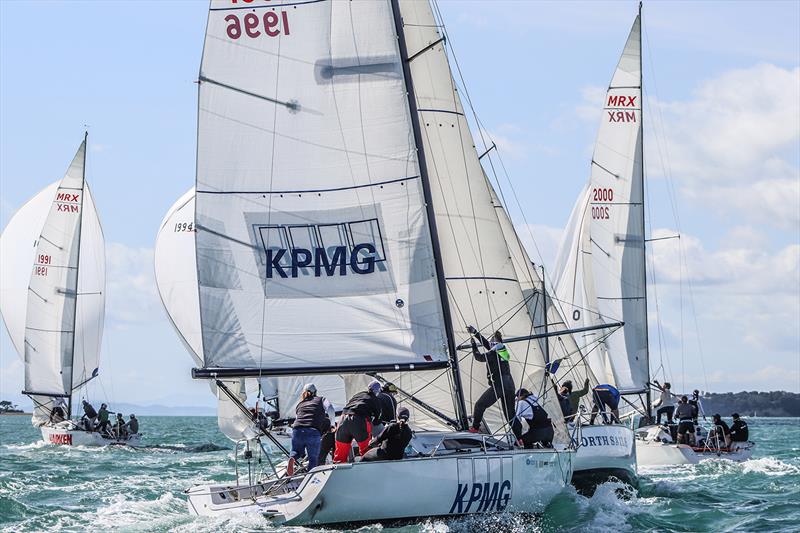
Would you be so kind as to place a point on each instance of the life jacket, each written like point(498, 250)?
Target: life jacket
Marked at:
point(311, 413)
point(501, 350)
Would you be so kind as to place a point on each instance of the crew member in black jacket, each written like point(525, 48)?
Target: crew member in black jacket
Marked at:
point(391, 444)
point(355, 423)
point(739, 430)
point(498, 374)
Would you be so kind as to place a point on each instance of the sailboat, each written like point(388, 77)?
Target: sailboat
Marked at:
point(176, 280)
point(606, 451)
point(53, 301)
point(601, 267)
point(343, 225)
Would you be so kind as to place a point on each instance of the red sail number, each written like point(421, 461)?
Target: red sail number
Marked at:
point(602, 195)
point(253, 26)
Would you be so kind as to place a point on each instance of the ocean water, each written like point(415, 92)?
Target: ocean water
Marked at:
point(49, 488)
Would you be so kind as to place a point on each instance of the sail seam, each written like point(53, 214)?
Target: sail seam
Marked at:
point(269, 6)
point(481, 277)
point(300, 191)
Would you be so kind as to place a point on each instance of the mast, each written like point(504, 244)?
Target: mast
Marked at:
point(648, 394)
point(544, 310)
point(77, 273)
point(461, 409)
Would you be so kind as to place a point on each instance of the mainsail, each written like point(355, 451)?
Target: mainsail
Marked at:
point(313, 246)
point(53, 288)
point(601, 262)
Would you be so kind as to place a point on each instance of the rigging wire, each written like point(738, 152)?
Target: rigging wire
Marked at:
point(672, 195)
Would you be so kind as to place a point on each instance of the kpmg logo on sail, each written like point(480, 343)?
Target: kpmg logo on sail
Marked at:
point(321, 253)
point(352, 248)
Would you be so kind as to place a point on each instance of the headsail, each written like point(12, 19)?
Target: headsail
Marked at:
point(53, 287)
point(601, 262)
point(176, 280)
point(313, 246)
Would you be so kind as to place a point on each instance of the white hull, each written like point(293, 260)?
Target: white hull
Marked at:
point(518, 481)
point(605, 451)
point(65, 434)
point(652, 451)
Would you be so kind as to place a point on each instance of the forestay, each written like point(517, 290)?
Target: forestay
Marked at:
point(53, 287)
point(600, 267)
point(313, 248)
point(482, 285)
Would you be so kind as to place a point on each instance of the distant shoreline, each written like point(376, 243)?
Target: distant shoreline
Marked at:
point(6, 413)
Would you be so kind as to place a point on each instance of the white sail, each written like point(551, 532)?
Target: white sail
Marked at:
point(482, 285)
point(601, 260)
point(176, 280)
point(53, 287)
point(574, 365)
point(313, 245)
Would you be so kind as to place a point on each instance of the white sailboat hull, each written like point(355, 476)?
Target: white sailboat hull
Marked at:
point(605, 452)
point(70, 436)
point(518, 481)
point(651, 450)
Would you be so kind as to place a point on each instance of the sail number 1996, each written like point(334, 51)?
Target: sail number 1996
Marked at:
point(254, 26)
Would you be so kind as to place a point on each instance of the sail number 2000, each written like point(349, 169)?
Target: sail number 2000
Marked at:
point(600, 212)
point(253, 26)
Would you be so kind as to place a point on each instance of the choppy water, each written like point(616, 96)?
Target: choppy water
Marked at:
point(46, 488)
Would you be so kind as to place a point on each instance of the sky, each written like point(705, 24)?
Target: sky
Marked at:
point(722, 151)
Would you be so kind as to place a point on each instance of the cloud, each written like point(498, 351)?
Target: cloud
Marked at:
point(541, 242)
point(734, 145)
point(131, 287)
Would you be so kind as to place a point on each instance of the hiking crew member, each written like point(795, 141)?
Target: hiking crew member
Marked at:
point(498, 374)
point(102, 417)
point(570, 400)
point(313, 417)
point(684, 414)
point(667, 406)
point(739, 430)
point(720, 429)
point(133, 425)
point(697, 406)
point(354, 424)
point(605, 395)
point(391, 444)
point(540, 428)
point(89, 416)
